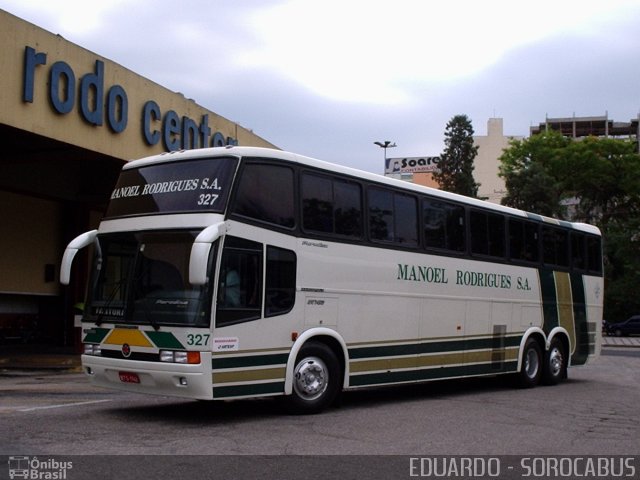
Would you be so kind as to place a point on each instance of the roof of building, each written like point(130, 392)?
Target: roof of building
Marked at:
point(576, 127)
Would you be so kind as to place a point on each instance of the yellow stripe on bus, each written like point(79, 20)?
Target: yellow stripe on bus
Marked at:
point(455, 358)
point(565, 305)
point(134, 338)
point(249, 375)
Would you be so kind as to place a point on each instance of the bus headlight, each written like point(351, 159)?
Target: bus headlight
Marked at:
point(171, 356)
point(92, 349)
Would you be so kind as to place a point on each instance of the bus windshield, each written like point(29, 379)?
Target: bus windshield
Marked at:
point(201, 185)
point(142, 278)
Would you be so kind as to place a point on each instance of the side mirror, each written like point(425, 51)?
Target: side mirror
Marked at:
point(200, 250)
point(76, 244)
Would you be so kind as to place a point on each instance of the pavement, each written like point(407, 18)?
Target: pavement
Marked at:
point(621, 342)
point(58, 359)
point(38, 357)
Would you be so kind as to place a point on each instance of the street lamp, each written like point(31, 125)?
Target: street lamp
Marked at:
point(384, 145)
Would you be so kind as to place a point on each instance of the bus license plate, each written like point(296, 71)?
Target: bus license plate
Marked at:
point(129, 377)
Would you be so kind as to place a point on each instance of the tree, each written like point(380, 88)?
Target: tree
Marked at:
point(525, 167)
point(601, 174)
point(602, 178)
point(456, 162)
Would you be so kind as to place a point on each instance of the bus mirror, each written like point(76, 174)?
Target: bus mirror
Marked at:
point(199, 260)
point(76, 244)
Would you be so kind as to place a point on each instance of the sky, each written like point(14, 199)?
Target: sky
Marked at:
point(328, 79)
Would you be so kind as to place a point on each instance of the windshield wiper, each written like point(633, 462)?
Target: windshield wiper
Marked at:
point(107, 305)
point(149, 317)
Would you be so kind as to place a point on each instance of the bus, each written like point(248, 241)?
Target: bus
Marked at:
point(236, 272)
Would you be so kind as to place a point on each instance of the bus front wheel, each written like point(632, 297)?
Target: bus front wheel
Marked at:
point(316, 377)
point(531, 371)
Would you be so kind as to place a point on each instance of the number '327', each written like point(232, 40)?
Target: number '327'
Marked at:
point(207, 199)
point(198, 339)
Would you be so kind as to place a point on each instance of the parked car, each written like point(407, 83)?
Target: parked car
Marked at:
point(630, 326)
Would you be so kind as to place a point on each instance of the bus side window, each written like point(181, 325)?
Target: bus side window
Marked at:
point(444, 227)
point(406, 220)
point(487, 234)
point(380, 204)
point(240, 283)
point(317, 203)
point(393, 217)
point(280, 288)
point(523, 240)
point(594, 254)
point(555, 247)
point(331, 206)
point(578, 248)
point(265, 193)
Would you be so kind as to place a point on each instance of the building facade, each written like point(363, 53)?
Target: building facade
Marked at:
point(598, 126)
point(487, 163)
point(69, 120)
point(491, 146)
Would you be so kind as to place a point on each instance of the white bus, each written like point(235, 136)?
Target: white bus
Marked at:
point(240, 272)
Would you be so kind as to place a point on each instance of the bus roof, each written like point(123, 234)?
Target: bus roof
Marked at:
point(184, 155)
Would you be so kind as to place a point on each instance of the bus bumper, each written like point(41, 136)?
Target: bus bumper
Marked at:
point(156, 378)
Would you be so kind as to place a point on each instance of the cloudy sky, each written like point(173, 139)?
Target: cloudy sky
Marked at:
point(327, 79)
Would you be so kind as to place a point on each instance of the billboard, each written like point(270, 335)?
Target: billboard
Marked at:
point(411, 165)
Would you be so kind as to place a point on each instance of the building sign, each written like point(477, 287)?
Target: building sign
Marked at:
point(99, 104)
point(411, 165)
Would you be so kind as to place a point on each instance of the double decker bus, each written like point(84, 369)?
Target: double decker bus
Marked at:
point(239, 272)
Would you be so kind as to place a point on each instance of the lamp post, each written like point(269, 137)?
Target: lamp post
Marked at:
point(384, 145)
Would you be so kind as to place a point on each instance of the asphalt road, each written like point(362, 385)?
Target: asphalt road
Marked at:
point(595, 412)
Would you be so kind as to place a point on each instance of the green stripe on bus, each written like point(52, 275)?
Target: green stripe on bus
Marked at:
point(249, 361)
point(164, 340)
point(96, 335)
point(248, 390)
point(427, 374)
point(430, 347)
point(569, 307)
point(583, 336)
point(549, 299)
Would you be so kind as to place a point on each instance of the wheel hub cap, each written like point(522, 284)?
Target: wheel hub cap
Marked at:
point(310, 379)
point(555, 361)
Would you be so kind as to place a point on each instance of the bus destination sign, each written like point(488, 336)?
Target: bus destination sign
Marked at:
point(195, 186)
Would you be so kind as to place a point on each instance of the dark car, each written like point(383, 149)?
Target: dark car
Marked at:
point(630, 326)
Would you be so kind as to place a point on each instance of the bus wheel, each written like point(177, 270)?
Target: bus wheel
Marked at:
point(531, 371)
point(555, 363)
point(315, 379)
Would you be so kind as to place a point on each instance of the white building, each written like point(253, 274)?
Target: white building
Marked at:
point(491, 146)
point(420, 169)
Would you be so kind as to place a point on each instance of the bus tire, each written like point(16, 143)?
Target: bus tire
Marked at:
point(531, 371)
point(555, 363)
point(316, 379)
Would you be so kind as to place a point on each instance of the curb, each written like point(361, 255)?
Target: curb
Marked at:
point(621, 342)
point(41, 362)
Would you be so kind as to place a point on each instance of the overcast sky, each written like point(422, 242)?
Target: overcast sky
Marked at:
point(327, 79)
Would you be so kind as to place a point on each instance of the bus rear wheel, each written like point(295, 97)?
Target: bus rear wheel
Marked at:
point(555, 363)
point(316, 379)
point(531, 371)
